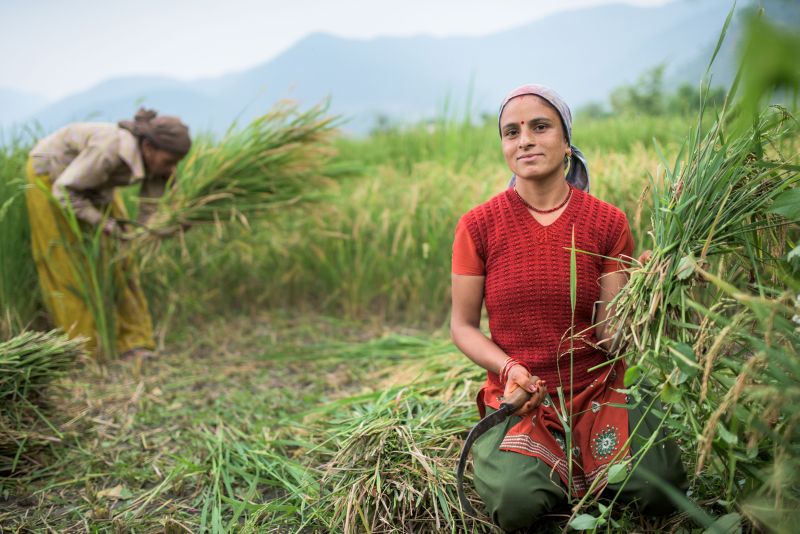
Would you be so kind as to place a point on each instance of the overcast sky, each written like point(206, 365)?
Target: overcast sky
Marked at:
point(57, 47)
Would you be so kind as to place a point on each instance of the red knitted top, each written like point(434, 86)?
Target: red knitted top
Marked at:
point(527, 286)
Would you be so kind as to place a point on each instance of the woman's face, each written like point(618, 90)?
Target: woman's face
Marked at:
point(160, 164)
point(533, 139)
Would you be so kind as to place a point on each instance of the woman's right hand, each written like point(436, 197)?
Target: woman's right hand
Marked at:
point(519, 377)
point(111, 228)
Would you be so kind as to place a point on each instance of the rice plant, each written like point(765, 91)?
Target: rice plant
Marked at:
point(19, 302)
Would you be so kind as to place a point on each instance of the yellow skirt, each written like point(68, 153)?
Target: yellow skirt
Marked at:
point(59, 264)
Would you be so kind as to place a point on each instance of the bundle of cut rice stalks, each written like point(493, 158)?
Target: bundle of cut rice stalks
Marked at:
point(279, 159)
point(29, 362)
point(395, 467)
point(711, 321)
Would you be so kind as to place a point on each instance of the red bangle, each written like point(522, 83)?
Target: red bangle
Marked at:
point(511, 362)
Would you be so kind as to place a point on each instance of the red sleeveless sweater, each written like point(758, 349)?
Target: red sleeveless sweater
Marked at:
point(527, 286)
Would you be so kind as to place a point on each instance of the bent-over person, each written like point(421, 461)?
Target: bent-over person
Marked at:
point(79, 167)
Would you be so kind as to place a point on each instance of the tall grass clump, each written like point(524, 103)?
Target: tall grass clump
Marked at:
point(19, 300)
point(92, 263)
point(29, 363)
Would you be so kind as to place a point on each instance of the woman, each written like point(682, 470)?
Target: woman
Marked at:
point(513, 254)
point(79, 167)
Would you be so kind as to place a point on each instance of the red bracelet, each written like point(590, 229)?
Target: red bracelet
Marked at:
point(503, 369)
point(510, 362)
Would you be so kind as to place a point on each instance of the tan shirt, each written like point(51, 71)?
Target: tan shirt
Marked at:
point(86, 161)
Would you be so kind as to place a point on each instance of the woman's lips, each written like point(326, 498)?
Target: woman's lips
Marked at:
point(529, 157)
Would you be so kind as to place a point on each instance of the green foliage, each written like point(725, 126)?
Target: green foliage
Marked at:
point(769, 67)
point(277, 160)
point(648, 96)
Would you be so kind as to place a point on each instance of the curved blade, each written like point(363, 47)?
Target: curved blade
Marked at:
point(515, 400)
point(477, 431)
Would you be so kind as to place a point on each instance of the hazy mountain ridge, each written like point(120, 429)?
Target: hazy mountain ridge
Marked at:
point(583, 54)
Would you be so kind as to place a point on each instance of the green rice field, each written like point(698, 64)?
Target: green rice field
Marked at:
point(305, 379)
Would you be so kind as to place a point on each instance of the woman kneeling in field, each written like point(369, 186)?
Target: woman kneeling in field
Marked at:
point(513, 252)
point(79, 168)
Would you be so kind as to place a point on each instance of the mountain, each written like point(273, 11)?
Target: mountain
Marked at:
point(584, 54)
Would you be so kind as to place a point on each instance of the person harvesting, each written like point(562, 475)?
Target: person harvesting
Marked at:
point(76, 171)
point(513, 254)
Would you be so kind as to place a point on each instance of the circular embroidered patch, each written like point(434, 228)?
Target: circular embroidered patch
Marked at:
point(595, 406)
point(605, 443)
point(546, 402)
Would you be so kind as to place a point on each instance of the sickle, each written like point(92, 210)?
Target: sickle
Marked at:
point(516, 399)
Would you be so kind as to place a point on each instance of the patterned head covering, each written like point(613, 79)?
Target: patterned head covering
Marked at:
point(578, 174)
point(165, 132)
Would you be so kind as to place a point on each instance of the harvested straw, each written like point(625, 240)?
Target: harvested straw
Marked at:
point(708, 319)
point(29, 362)
point(280, 158)
point(395, 465)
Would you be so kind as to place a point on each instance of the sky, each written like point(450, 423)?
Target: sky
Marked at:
point(55, 48)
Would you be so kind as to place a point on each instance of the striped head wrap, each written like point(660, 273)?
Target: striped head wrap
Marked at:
point(164, 131)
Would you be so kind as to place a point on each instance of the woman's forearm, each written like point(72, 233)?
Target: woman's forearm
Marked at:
point(610, 285)
point(478, 348)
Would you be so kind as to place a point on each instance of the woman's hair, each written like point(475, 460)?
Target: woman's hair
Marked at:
point(164, 132)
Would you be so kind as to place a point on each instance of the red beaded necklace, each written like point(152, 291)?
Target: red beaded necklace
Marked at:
point(537, 210)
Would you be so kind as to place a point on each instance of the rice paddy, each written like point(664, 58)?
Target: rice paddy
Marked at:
point(305, 380)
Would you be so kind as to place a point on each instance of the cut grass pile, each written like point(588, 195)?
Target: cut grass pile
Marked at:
point(29, 363)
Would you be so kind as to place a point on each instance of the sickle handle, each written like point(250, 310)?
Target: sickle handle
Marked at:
point(517, 398)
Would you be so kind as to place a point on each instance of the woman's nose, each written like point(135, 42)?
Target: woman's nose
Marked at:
point(525, 138)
